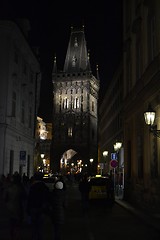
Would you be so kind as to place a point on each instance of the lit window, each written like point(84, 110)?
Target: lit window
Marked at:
point(65, 103)
point(74, 59)
point(75, 42)
point(70, 132)
point(76, 103)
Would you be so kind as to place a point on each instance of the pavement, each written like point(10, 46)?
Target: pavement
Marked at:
point(151, 220)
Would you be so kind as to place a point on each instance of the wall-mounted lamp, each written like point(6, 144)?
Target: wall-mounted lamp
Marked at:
point(149, 117)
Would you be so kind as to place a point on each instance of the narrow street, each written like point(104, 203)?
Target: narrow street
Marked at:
point(103, 222)
point(100, 222)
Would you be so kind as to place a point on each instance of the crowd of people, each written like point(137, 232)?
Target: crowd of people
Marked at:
point(30, 200)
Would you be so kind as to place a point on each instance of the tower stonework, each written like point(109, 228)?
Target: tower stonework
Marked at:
point(75, 109)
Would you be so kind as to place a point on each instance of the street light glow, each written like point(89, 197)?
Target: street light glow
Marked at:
point(117, 146)
point(105, 153)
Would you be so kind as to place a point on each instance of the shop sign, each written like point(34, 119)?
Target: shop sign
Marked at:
point(22, 158)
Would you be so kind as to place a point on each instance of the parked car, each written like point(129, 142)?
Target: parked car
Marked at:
point(98, 187)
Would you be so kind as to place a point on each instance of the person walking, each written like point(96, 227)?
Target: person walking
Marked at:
point(110, 191)
point(58, 205)
point(37, 206)
point(15, 197)
point(84, 188)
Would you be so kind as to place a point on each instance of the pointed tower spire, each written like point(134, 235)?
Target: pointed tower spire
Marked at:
point(76, 57)
point(55, 65)
point(97, 70)
point(89, 67)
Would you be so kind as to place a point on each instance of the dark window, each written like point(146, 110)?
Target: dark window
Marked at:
point(11, 161)
point(14, 98)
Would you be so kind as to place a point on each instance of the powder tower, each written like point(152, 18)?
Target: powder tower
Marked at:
point(75, 110)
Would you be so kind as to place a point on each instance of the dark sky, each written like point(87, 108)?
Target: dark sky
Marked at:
point(50, 30)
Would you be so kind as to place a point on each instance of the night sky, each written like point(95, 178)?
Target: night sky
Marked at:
point(51, 22)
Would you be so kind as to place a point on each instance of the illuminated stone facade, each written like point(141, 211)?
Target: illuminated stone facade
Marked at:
point(75, 113)
point(42, 148)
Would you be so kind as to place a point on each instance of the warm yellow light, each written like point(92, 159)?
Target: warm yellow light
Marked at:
point(117, 146)
point(149, 117)
point(105, 153)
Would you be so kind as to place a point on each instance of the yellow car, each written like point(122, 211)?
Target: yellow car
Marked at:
point(98, 187)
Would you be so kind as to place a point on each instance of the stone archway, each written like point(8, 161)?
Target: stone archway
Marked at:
point(70, 161)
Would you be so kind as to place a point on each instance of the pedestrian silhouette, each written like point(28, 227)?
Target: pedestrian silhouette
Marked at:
point(110, 191)
point(58, 206)
point(84, 188)
point(15, 197)
point(37, 206)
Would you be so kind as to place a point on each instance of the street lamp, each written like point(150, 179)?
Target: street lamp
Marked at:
point(105, 154)
point(117, 146)
point(41, 163)
point(91, 161)
point(149, 117)
point(42, 155)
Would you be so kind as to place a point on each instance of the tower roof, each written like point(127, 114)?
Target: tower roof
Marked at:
point(77, 59)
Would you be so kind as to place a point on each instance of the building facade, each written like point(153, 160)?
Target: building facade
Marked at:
point(75, 108)
point(140, 88)
point(141, 37)
point(19, 99)
point(43, 139)
point(111, 128)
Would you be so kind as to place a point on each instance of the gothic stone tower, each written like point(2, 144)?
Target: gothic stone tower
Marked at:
point(75, 113)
